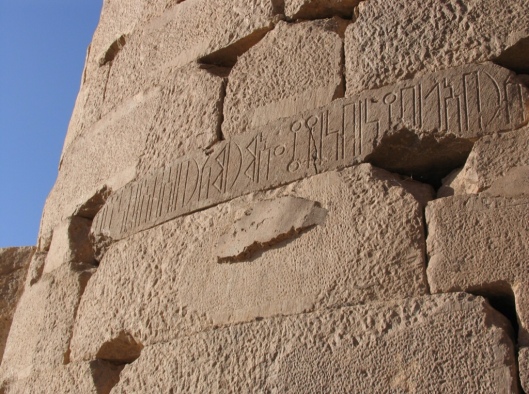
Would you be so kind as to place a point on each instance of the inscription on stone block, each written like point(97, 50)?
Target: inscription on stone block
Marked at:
point(466, 102)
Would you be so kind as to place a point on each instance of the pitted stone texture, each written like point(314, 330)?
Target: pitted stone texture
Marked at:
point(392, 41)
point(267, 223)
point(14, 263)
point(523, 366)
point(145, 132)
point(70, 244)
point(165, 282)
point(42, 325)
point(314, 9)
point(499, 160)
point(521, 297)
point(96, 377)
point(295, 68)
point(477, 243)
point(406, 128)
point(406, 346)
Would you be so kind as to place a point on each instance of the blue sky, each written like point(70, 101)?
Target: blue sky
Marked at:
point(42, 52)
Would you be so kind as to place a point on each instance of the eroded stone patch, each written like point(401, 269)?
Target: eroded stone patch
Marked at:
point(299, 353)
point(267, 223)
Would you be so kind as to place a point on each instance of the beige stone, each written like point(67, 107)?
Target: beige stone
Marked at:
point(523, 365)
point(406, 128)
point(477, 243)
point(312, 9)
point(267, 223)
point(499, 160)
point(295, 68)
point(42, 325)
point(392, 41)
point(14, 263)
point(70, 244)
point(521, 297)
point(407, 346)
point(145, 132)
point(451, 184)
point(166, 282)
point(96, 377)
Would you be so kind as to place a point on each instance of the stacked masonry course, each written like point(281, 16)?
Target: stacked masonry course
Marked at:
point(275, 196)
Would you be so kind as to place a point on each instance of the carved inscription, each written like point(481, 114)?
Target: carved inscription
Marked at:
point(466, 102)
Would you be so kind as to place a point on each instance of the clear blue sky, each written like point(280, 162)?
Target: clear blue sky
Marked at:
point(42, 52)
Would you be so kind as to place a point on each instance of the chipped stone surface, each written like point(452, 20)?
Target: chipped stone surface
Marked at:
point(399, 347)
point(312, 9)
point(267, 223)
point(42, 325)
point(145, 132)
point(523, 366)
point(295, 68)
point(501, 160)
point(392, 41)
point(70, 244)
point(96, 377)
point(14, 263)
point(402, 127)
point(371, 247)
point(477, 243)
point(521, 297)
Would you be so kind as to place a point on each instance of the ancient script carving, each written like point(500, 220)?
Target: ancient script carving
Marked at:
point(466, 102)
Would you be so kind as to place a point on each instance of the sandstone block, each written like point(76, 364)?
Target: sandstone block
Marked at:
point(521, 297)
point(523, 365)
point(70, 244)
point(477, 243)
point(406, 346)
point(14, 263)
point(166, 281)
point(407, 128)
point(96, 377)
point(144, 132)
point(498, 164)
point(295, 68)
point(313, 9)
point(392, 41)
point(42, 325)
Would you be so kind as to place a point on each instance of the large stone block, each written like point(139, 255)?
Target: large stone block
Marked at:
point(521, 297)
point(523, 365)
point(315, 9)
point(477, 243)
point(144, 132)
point(392, 41)
point(443, 344)
point(14, 263)
point(420, 126)
point(168, 282)
point(42, 325)
point(498, 164)
point(96, 377)
point(295, 68)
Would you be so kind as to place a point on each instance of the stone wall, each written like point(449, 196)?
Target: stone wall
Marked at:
point(287, 196)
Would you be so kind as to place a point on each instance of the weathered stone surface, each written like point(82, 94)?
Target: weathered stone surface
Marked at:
point(521, 297)
point(500, 159)
point(523, 366)
point(477, 243)
point(312, 9)
point(70, 244)
point(14, 263)
point(42, 325)
point(392, 41)
point(407, 346)
point(96, 377)
point(418, 125)
point(145, 132)
point(295, 68)
point(371, 247)
point(267, 223)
